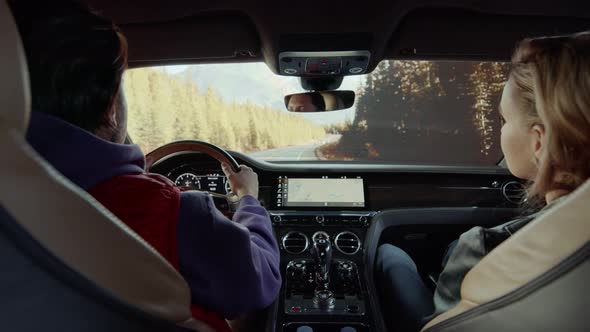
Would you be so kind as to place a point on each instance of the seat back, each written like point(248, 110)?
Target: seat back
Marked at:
point(66, 258)
point(41, 293)
point(537, 280)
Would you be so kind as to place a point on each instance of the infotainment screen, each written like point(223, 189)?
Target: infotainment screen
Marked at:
point(321, 192)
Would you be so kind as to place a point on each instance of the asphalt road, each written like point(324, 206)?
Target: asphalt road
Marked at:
point(301, 152)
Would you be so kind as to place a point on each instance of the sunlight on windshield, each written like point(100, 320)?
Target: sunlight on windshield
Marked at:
point(408, 112)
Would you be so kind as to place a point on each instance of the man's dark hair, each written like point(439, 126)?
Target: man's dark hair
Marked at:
point(76, 59)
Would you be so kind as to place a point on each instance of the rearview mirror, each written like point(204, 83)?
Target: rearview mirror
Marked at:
point(320, 101)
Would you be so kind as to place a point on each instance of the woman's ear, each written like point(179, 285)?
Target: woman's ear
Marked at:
point(537, 136)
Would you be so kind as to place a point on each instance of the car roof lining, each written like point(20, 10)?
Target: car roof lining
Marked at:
point(215, 36)
point(186, 31)
point(455, 34)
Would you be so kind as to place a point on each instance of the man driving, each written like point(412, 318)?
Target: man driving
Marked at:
point(76, 60)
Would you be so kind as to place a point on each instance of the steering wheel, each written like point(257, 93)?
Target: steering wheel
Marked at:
point(214, 151)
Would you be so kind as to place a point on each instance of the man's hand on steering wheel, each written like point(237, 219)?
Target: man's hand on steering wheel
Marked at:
point(243, 180)
point(243, 183)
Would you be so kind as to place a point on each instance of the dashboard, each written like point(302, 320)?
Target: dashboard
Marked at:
point(355, 207)
point(345, 187)
point(299, 192)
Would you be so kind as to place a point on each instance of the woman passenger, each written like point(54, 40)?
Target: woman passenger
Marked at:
point(545, 139)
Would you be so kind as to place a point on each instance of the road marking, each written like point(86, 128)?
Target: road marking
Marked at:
point(312, 148)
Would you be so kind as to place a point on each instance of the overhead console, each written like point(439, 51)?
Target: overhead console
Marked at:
point(318, 64)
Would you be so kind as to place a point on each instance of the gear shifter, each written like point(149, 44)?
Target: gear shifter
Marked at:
point(322, 256)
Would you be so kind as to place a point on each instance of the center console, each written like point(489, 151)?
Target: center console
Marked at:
point(321, 225)
point(319, 285)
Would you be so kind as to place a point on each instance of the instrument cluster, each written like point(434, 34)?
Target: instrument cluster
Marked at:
point(209, 181)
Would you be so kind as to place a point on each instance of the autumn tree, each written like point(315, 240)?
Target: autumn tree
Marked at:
point(425, 112)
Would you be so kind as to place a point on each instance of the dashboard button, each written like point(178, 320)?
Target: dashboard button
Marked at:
point(352, 308)
point(319, 219)
point(277, 219)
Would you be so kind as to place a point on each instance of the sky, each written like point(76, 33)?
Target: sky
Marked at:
point(256, 83)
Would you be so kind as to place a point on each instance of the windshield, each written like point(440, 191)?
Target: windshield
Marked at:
point(406, 112)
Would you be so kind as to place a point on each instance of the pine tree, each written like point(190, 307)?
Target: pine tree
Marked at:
point(163, 107)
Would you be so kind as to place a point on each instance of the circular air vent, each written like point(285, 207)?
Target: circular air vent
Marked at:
point(295, 242)
point(514, 191)
point(347, 243)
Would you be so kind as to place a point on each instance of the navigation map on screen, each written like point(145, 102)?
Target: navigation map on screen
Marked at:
point(341, 192)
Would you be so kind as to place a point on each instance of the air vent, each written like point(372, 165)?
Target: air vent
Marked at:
point(347, 243)
point(514, 191)
point(295, 242)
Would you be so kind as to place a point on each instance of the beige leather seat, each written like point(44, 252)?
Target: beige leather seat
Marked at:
point(537, 280)
point(91, 245)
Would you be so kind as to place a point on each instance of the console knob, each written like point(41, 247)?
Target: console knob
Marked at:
point(297, 271)
point(319, 219)
point(277, 219)
point(363, 220)
point(345, 271)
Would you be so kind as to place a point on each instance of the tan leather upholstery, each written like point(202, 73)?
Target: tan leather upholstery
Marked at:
point(66, 220)
point(530, 253)
point(14, 80)
point(330, 101)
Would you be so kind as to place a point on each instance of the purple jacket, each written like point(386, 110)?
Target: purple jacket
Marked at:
point(232, 267)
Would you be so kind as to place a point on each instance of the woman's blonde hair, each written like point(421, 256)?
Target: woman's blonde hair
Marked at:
point(552, 76)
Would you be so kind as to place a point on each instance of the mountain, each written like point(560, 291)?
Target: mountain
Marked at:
point(239, 83)
point(256, 83)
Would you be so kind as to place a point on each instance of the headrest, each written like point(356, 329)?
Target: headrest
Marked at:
point(15, 96)
point(330, 101)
